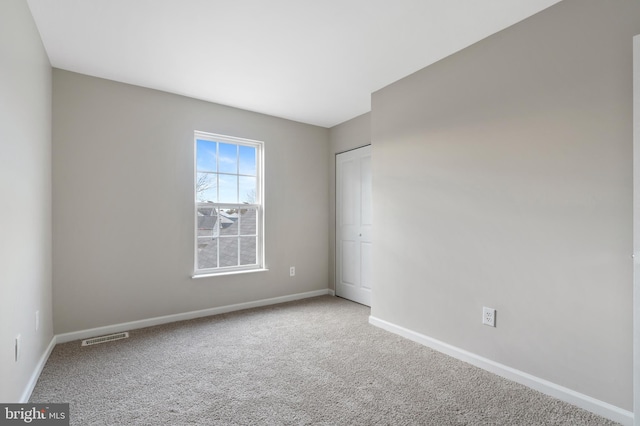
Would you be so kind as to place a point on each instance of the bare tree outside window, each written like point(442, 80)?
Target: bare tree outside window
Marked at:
point(250, 197)
point(204, 183)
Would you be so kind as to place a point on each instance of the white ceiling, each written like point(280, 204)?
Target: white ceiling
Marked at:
point(311, 61)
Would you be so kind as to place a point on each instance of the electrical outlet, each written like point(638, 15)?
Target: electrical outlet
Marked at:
point(489, 316)
point(292, 271)
point(37, 320)
point(17, 347)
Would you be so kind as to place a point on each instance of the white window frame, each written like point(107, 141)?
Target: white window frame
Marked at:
point(258, 205)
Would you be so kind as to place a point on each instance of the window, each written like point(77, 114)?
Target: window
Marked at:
point(229, 205)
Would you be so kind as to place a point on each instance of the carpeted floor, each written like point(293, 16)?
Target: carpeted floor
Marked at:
point(315, 361)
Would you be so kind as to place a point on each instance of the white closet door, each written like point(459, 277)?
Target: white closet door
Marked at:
point(354, 223)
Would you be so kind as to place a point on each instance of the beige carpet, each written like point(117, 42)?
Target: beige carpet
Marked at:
point(315, 361)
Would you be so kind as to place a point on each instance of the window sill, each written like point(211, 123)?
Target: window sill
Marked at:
point(220, 274)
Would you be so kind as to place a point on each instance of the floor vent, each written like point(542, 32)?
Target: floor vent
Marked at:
point(102, 339)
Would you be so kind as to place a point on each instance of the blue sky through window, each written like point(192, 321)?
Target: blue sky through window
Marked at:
point(247, 160)
point(227, 173)
point(228, 160)
point(206, 161)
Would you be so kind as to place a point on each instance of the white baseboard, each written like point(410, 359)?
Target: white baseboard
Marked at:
point(36, 373)
point(116, 328)
point(564, 394)
point(331, 292)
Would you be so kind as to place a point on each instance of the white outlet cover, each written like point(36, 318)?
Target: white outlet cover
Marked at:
point(489, 316)
point(292, 271)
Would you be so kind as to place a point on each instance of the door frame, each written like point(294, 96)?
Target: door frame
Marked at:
point(636, 230)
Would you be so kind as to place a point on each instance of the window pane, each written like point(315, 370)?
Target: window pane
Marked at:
point(228, 222)
point(228, 160)
point(207, 253)
point(248, 250)
point(228, 188)
point(228, 251)
point(248, 221)
point(247, 189)
point(207, 222)
point(206, 187)
point(205, 156)
point(247, 160)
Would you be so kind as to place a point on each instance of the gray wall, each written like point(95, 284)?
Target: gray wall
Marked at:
point(123, 204)
point(503, 178)
point(25, 190)
point(346, 136)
